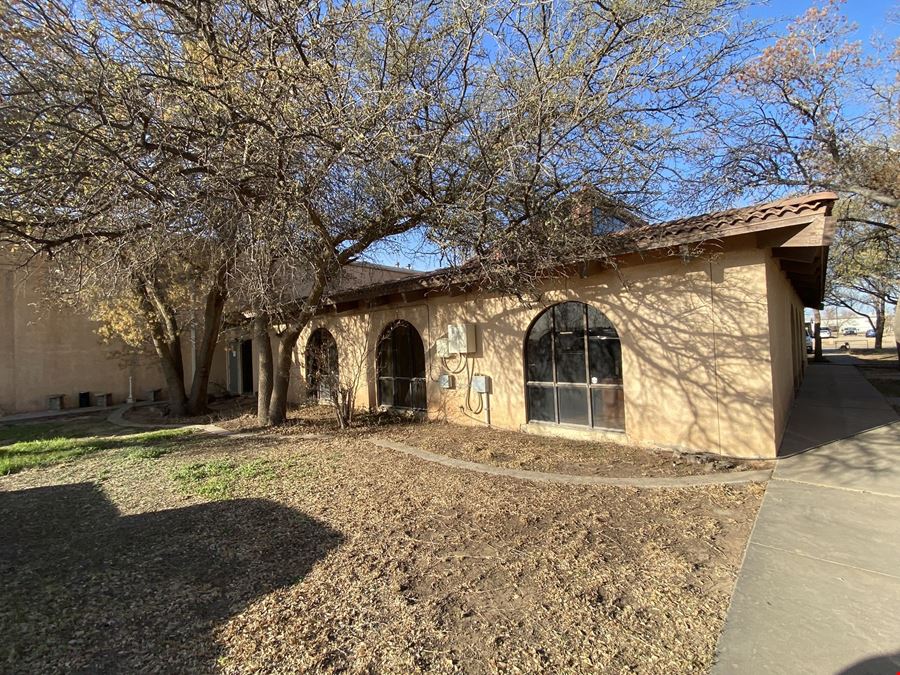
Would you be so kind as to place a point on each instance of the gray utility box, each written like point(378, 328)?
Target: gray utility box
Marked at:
point(446, 381)
point(55, 401)
point(481, 384)
point(103, 400)
point(461, 338)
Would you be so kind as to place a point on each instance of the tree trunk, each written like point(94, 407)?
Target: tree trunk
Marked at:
point(212, 322)
point(174, 376)
point(817, 336)
point(286, 344)
point(897, 330)
point(879, 323)
point(282, 380)
point(264, 351)
point(167, 343)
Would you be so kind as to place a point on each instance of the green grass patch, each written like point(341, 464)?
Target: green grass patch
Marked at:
point(219, 479)
point(150, 452)
point(29, 445)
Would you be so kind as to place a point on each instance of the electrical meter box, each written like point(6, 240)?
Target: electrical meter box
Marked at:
point(442, 348)
point(461, 338)
point(446, 381)
point(481, 384)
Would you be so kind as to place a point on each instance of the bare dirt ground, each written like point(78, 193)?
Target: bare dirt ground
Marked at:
point(337, 556)
point(478, 444)
point(557, 455)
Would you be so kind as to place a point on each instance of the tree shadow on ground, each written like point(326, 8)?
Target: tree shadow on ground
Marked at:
point(88, 590)
point(885, 664)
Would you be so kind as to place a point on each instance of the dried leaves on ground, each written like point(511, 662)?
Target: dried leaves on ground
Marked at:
point(334, 555)
point(544, 453)
point(477, 443)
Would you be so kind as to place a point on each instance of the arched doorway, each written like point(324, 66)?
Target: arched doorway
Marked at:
point(400, 365)
point(321, 365)
point(573, 368)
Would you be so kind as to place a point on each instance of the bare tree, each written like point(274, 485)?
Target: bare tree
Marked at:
point(478, 128)
point(864, 273)
point(284, 139)
point(119, 151)
point(811, 111)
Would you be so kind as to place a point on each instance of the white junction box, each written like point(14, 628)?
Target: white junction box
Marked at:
point(442, 348)
point(481, 384)
point(446, 381)
point(461, 338)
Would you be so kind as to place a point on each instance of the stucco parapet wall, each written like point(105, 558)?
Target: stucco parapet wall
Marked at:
point(760, 218)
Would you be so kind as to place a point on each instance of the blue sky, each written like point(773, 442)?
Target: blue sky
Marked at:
point(872, 17)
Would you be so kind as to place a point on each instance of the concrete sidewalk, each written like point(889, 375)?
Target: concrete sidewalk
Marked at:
point(819, 589)
point(53, 414)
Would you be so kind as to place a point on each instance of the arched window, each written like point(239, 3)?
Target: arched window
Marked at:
point(321, 365)
point(573, 361)
point(400, 366)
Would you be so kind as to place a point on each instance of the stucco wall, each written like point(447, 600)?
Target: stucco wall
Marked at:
point(47, 350)
point(7, 341)
point(786, 345)
point(695, 347)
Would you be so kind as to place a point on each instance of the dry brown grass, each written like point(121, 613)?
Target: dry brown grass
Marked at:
point(885, 356)
point(539, 453)
point(338, 556)
point(481, 444)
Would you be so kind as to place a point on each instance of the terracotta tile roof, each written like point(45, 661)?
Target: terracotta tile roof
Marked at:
point(707, 227)
point(726, 223)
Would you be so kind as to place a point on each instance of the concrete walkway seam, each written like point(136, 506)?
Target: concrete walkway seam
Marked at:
point(118, 418)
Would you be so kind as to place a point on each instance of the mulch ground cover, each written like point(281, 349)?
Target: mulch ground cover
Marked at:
point(332, 555)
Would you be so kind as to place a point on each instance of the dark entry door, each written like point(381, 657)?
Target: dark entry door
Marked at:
point(247, 367)
point(401, 367)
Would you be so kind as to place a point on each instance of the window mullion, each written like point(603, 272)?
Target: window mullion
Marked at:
point(587, 365)
point(553, 361)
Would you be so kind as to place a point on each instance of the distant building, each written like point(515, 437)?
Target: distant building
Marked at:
point(53, 356)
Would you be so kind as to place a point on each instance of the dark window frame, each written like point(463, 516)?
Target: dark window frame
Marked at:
point(320, 339)
point(587, 386)
point(413, 382)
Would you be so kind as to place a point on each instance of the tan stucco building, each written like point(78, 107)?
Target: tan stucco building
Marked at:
point(51, 354)
point(693, 339)
point(48, 350)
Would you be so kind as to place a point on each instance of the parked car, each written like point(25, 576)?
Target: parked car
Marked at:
point(824, 332)
point(870, 332)
point(809, 344)
point(850, 330)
